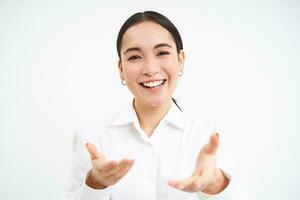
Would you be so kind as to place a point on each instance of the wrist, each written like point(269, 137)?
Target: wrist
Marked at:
point(218, 185)
point(92, 182)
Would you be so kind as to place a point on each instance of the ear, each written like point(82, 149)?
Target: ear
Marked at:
point(181, 59)
point(120, 69)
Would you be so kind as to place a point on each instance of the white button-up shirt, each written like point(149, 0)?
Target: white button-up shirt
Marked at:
point(170, 153)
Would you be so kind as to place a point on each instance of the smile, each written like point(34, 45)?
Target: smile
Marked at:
point(153, 84)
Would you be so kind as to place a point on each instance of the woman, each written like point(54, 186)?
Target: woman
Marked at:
point(150, 150)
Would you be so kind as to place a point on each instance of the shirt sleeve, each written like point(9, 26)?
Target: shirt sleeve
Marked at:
point(233, 191)
point(227, 161)
point(80, 166)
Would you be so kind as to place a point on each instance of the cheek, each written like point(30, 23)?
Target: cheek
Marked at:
point(173, 69)
point(131, 73)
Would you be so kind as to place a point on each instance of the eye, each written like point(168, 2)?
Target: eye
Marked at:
point(135, 57)
point(162, 53)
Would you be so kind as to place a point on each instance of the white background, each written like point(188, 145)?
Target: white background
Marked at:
point(58, 73)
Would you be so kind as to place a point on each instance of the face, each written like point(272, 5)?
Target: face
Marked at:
point(150, 63)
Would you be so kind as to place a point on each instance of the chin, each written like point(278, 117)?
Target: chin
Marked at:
point(158, 102)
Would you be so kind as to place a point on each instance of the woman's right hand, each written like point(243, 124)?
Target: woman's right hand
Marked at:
point(105, 173)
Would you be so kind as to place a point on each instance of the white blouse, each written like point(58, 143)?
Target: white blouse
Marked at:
point(169, 153)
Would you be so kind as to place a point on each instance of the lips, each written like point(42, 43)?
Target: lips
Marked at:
point(153, 83)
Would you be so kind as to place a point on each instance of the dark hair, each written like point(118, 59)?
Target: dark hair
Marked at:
point(154, 17)
point(149, 16)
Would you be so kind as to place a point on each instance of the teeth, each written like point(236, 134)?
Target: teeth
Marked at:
point(153, 84)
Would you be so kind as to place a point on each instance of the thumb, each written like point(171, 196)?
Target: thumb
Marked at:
point(213, 144)
point(93, 151)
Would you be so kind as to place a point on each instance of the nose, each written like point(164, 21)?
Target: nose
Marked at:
point(150, 67)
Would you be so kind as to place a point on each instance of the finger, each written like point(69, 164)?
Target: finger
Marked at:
point(173, 183)
point(119, 166)
point(93, 152)
point(104, 166)
point(180, 184)
point(191, 184)
point(121, 172)
point(213, 144)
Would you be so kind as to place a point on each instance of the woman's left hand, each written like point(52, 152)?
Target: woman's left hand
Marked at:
point(206, 177)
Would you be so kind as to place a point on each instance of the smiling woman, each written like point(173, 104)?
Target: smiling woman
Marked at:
point(149, 58)
point(151, 149)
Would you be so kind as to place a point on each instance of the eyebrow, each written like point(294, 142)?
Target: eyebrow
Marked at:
point(155, 47)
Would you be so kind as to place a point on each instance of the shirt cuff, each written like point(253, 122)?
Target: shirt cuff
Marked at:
point(88, 193)
point(225, 194)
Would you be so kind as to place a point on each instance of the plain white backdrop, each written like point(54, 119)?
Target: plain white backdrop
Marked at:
point(58, 73)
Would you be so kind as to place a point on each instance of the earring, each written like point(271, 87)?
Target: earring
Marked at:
point(123, 82)
point(181, 73)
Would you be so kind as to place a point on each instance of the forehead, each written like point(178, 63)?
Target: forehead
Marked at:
point(146, 34)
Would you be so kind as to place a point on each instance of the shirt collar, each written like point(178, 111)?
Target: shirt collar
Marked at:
point(128, 115)
point(175, 116)
point(125, 116)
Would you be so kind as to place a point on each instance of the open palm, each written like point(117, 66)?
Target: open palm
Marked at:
point(206, 174)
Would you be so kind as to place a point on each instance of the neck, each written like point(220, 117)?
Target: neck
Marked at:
point(148, 116)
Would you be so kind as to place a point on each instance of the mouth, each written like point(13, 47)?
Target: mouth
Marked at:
point(153, 84)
